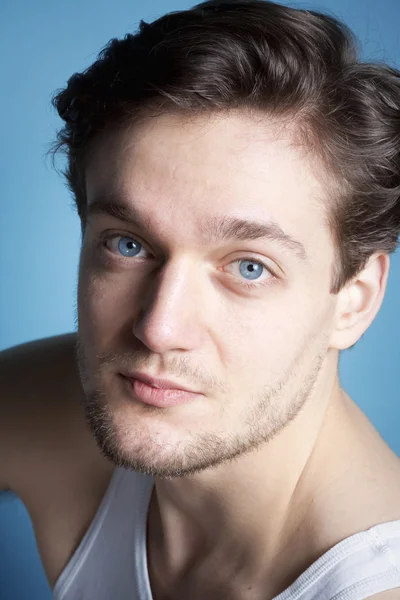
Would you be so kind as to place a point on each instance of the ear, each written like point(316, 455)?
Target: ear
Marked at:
point(359, 302)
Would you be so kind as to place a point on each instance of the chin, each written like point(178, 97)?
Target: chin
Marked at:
point(137, 437)
point(157, 447)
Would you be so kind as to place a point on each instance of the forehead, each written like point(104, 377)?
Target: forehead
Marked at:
point(182, 170)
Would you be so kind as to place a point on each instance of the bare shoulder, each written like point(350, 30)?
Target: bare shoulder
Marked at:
point(40, 409)
point(48, 456)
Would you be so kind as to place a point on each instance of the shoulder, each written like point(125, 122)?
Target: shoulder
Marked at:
point(53, 463)
point(59, 350)
point(39, 410)
point(38, 374)
point(33, 368)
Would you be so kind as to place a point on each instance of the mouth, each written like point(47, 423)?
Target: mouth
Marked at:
point(156, 382)
point(162, 397)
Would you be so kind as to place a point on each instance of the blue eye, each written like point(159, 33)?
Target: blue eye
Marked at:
point(251, 269)
point(128, 246)
point(122, 245)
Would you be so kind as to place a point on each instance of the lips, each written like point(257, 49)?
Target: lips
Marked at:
point(164, 384)
point(161, 397)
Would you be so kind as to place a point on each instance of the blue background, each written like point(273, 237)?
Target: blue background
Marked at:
point(41, 44)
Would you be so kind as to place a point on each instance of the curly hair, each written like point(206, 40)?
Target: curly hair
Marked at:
point(301, 66)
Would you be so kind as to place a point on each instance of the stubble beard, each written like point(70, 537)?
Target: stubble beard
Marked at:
point(270, 414)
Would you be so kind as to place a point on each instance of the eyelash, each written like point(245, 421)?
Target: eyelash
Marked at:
point(100, 243)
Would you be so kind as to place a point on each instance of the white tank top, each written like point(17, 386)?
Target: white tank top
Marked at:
point(111, 560)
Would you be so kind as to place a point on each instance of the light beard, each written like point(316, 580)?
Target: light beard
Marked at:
point(270, 414)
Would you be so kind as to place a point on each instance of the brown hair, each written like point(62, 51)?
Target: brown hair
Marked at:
point(265, 58)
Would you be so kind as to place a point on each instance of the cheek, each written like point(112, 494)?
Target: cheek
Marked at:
point(258, 343)
point(97, 308)
point(105, 300)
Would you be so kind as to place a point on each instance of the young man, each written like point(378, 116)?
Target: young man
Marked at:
point(236, 172)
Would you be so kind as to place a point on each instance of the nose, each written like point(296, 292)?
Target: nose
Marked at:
point(170, 311)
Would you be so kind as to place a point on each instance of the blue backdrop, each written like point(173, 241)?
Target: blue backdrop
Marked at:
point(41, 44)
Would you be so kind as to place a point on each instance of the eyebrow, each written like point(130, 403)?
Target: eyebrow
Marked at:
point(215, 228)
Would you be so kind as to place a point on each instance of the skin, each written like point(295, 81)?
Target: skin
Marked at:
point(272, 432)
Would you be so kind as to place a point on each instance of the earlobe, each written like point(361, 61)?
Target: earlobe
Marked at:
point(359, 302)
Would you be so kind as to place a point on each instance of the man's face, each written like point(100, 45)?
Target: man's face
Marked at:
point(245, 322)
